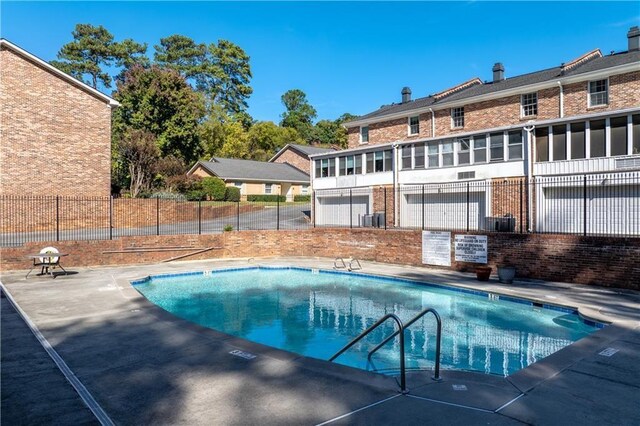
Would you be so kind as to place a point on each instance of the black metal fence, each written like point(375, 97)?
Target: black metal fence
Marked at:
point(40, 218)
point(602, 205)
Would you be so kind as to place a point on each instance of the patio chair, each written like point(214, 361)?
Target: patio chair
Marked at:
point(47, 263)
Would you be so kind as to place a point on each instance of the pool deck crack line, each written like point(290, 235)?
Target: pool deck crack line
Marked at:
point(358, 410)
point(82, 391)
point(508, 403)
point(450, 404)
point(618, 382)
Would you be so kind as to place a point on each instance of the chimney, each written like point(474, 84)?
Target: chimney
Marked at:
point(406, 95)
point(634, 38)
point(498, 72)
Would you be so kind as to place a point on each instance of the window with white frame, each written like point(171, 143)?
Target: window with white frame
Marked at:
point(447, 153)
point(414, 125)
point(464, 151)
point(418, 160)
point(479, 149)
point(350, 165)
point(457, 117)
point(515, 145)
point(379, 161)
point(529, 104)
point(268, 187)
point(432, 154)
point(406, 157)
point(304, 189)
point(598, 93)
point(497, 146)
point(326, 167)
point(364, 134)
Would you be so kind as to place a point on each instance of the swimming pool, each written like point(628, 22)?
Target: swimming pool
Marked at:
point(316, 312)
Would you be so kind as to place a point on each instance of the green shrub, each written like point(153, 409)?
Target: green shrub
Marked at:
point(232, 194)
point(195, 195)
point(214, 188)
point(267, 198)
point(228, 228)
point(302, 198)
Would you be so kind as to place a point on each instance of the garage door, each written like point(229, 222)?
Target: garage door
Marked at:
point(444, 211)
point(609, 210)
point(339, 211)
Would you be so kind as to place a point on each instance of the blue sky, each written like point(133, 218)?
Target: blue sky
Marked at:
point(347, 57)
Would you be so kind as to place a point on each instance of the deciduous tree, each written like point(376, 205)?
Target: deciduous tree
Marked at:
point(161, 102)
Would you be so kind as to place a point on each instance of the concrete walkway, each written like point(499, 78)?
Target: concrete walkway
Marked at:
point(145, 366)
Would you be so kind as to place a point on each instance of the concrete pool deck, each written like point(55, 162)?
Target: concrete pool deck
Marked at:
point(142, 365)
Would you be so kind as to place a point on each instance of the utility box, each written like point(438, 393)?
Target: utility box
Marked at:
point(505, 223)
point(379, 219)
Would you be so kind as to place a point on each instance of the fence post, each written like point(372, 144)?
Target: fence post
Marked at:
point(57, 218)
point(385, 208)
point(238, 215)
point(277, 212)
point(584, 205)
point(350, 208)
point(422, 207)
point(111, 217)
point(468, 208)
point(313, 207)
point(199, 217)
point(157, 215)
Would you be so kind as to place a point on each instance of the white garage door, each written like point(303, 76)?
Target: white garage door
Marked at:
point(609, 210)
point(340, 211)
point(444, 211)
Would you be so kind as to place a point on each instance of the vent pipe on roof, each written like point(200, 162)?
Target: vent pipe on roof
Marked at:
point(634, 38)
point(498, 72)
point(406, 95)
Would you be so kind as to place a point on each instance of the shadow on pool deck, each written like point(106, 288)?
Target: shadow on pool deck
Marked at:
point(145, 366)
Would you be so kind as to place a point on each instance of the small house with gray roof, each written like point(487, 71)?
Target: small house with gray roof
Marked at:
point(580, 118)
point(255, 177)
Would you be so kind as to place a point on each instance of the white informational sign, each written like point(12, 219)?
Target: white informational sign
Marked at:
point(471, 248)
point(436, 248)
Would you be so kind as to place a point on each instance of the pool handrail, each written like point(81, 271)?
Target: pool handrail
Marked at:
point(369, 330)
point(436, 375)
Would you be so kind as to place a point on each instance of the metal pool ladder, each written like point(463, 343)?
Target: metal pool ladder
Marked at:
point(400, 332)
point(354, 264)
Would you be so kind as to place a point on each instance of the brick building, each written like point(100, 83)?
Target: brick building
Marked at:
point(55, 131)
point(558, 141)
point(298, 156)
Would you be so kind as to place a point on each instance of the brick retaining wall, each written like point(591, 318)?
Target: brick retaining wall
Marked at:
point(609, 262)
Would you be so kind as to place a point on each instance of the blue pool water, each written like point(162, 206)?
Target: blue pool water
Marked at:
point(316, 313)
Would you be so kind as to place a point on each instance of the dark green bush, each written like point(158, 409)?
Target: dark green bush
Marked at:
point(195, 195)
point(267, 198)
point(232, 194)
point(214, 188)
point(302, 198)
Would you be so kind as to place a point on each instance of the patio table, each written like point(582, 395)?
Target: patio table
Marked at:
point(45, 261)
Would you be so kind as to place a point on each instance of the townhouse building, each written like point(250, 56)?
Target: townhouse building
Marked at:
point(556, 150)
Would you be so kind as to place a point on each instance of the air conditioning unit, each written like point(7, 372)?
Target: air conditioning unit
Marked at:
point(500, 223)
point(367, 220)
point(379, 219)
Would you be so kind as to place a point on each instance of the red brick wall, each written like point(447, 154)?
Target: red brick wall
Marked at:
point(55, 138)
point(296, 160)
point(624, 92)
point(610, 262)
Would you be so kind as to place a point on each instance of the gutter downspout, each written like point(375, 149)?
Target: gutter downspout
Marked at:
point(529, 128)
point(433, 123)
point(396, 216)
point(561, 99)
